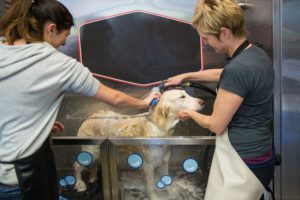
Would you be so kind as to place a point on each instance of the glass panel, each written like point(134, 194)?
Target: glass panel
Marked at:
point(163, 172)
point(78, 170)
point(76, 109)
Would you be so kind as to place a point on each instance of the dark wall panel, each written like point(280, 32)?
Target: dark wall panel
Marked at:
point(140, 47)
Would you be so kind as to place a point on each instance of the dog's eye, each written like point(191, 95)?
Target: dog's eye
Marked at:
point(181, 97)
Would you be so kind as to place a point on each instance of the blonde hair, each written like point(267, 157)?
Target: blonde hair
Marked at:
point(212, 15)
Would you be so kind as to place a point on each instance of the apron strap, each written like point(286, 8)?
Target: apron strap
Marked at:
point(37, 174)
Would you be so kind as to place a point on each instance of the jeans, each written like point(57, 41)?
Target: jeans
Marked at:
point(264, 172)
point(8, 192)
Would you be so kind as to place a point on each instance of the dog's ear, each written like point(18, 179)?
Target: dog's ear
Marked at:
point(161, 114)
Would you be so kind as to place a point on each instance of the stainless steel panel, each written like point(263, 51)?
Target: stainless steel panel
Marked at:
point(290, 83)
point(75, 140)
point(287, 99)
point(277, 93)
point(259, 23)
point(193, 140)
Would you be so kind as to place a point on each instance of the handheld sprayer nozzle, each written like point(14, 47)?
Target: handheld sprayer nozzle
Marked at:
point(185, 84)
point(158, 88)
point(155, 101)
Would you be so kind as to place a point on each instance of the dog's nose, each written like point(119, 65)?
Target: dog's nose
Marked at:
point(201, 102)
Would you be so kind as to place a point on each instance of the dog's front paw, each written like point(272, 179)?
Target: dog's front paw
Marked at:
point(154, 196)
point(93, 179)
point(174, 193)
point(80, 186)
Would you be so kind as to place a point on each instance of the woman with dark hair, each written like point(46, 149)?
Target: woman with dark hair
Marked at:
point(34, 77)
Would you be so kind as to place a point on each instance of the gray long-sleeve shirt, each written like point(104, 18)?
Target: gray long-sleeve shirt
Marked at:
point(33, 80)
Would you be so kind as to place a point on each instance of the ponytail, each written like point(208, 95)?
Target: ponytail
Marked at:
point(26, 19)
point(18, 22)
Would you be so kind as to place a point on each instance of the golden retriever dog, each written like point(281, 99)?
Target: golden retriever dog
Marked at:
point(160, 121)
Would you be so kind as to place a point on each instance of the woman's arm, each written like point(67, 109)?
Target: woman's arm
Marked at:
point(225, 106)
point(120, 99)
point(209, 75)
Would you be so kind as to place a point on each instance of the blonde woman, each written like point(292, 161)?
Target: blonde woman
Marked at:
point(242, 165)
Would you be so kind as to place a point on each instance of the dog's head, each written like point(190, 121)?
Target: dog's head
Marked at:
point(170, 103)
point(178, 99)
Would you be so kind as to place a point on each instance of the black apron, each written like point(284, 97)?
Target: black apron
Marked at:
point(37, 174)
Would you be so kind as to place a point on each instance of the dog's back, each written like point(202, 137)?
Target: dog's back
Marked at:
point(109, 123)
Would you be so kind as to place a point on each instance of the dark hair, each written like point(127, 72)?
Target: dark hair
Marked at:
point(26, 19)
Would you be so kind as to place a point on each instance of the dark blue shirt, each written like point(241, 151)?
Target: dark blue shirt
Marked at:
point(251, 76)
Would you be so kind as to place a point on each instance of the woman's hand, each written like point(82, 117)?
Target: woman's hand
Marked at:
point(57, 127)
point(151, 96)
point(175, 80)
point(184, 115)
